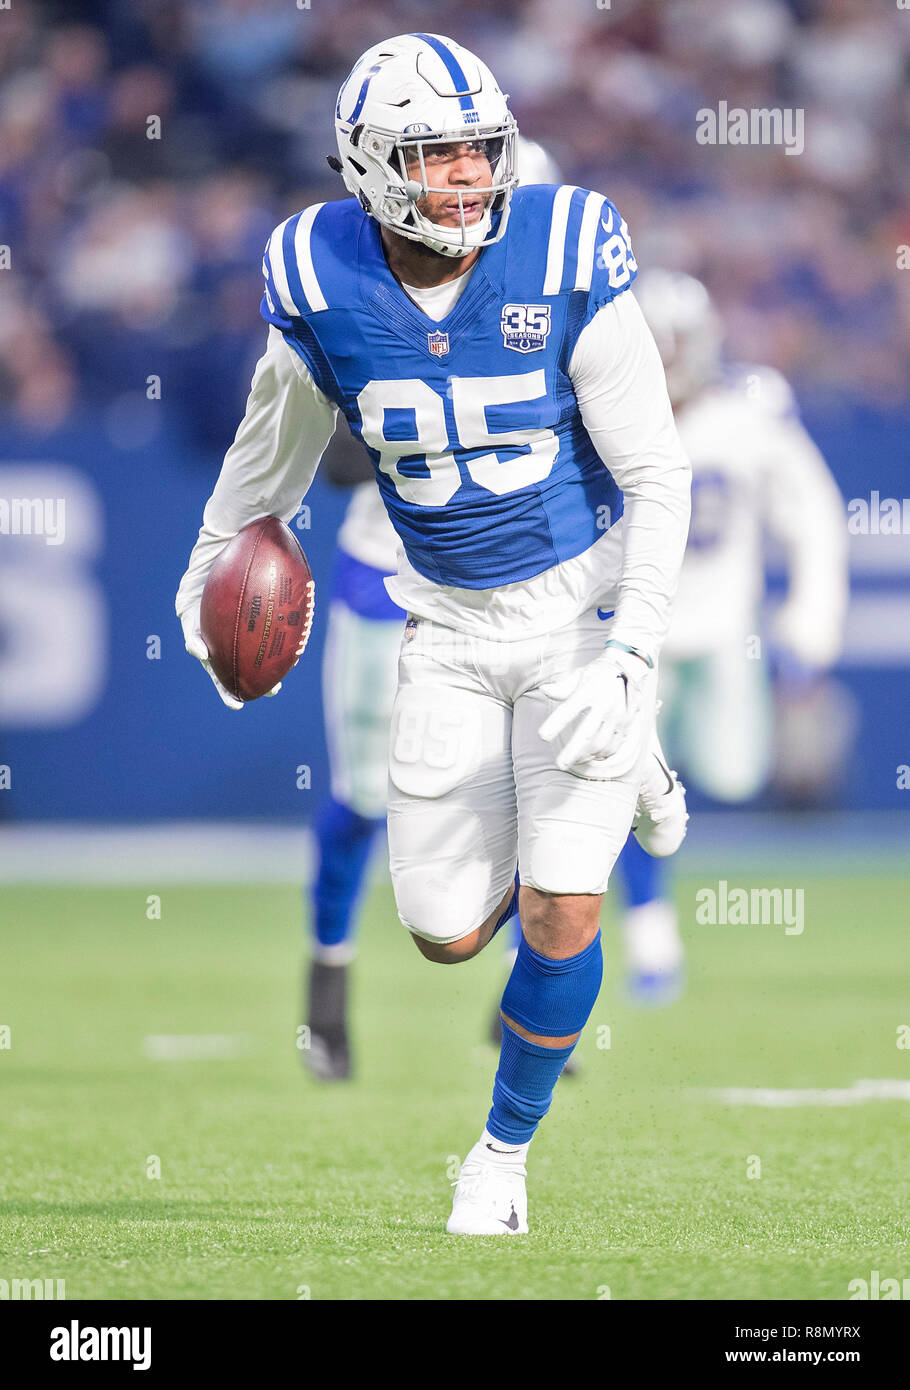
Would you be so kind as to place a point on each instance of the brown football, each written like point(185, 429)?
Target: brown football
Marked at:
point(257, 608)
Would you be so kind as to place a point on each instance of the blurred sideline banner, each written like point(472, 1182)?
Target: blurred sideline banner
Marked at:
point(103, 715)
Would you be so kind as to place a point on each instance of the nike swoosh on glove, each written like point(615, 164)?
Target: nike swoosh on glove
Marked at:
point(196, 647)
point(597, 720)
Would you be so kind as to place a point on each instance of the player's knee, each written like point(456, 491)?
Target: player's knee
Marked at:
point(449, 952)
point(570, 859)
point(559, 926)
point(449, 929)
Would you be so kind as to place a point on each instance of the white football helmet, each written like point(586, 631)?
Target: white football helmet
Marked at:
point(535, 164)
point(400, 98)
point(686, 328)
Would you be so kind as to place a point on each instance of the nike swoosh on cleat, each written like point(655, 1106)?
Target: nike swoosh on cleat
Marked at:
point(512, 1222)
point(502, 1151)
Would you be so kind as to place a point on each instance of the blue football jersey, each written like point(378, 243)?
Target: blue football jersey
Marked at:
point(483, 462)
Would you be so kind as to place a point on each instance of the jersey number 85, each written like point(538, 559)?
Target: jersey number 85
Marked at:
point(411, 410)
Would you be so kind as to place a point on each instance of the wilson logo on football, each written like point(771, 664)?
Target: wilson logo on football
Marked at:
point(525, 326)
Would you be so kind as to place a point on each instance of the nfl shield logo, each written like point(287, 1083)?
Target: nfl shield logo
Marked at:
point(438, 343)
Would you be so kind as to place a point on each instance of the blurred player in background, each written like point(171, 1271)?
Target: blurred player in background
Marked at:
point(755, 470)
point(360, 676)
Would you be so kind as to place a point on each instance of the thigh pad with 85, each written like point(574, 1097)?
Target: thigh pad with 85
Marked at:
point(436, 739)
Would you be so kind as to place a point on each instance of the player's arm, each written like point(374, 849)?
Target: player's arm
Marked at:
point(806, 513)
point(621, 390)
point(266, 471)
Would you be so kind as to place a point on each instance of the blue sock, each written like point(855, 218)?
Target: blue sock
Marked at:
point(344, 839)
point(552, 998)
point(641, 873)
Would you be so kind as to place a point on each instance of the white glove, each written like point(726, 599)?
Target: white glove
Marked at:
point(604, 702)
point(192, 636)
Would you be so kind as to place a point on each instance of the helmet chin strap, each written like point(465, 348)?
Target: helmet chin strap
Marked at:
point(413, 191)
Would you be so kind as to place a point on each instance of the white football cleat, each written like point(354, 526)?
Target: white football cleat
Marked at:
point(490, 1198)
point(660, 816)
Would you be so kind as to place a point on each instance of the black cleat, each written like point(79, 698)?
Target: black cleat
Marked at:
point(328, 1054)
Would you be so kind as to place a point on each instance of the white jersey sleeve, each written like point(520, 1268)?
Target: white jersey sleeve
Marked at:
point(271, 463)
point(366, 532)
point(806, 513)
point(622, 395)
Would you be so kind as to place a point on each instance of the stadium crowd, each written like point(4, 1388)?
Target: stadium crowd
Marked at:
point(135, 242)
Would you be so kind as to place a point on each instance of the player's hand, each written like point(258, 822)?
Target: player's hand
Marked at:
point(197, 648)
point(598, 715)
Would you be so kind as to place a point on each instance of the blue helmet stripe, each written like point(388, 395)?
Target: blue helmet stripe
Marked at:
point(454, 69)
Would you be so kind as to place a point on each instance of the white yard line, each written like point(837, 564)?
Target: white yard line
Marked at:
point(857, 1094)
point(194, 1047)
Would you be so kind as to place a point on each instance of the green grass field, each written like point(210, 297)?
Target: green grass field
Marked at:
point(272, 1185)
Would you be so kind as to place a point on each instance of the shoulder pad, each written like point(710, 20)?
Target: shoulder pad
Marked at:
point(301, 265)
point(587, 242)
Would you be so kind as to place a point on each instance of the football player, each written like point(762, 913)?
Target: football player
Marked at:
point(359, 679)
point(754, 471)
point(483, 344)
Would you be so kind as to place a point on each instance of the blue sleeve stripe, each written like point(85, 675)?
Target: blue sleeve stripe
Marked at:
point(290, 275)
point(590, 222)
point(556, 246)
point(277, 279)
point(573, 233)
point(289, 256)
point(303, 258)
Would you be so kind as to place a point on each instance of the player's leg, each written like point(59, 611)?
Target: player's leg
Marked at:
point(571, 830)
point(359, 677)
point(650, 928)
point(650, 925)
point(451, 806)
point(511, 939)
point(726, 722)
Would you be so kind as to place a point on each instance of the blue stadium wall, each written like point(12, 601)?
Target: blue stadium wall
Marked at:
point(116, 726)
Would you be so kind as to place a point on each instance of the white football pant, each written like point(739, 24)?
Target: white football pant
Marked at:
point(474, 790)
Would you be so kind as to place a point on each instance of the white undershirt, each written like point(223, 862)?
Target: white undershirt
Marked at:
point(619, 383)
point(439, 300)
